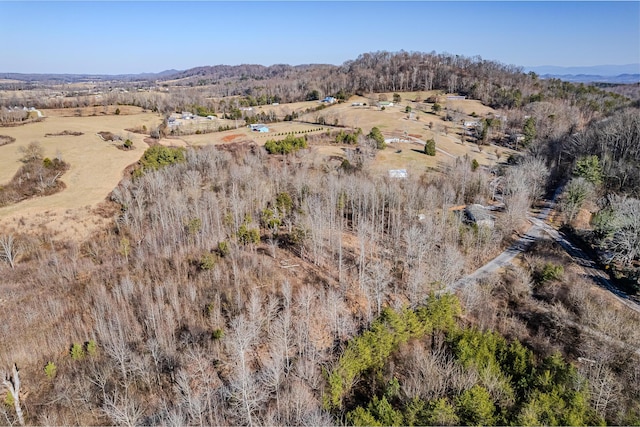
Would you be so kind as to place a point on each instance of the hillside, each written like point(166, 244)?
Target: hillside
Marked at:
point(206, 273)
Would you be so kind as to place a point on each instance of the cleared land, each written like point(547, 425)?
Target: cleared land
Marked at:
point(96, 167)
point(393, 121)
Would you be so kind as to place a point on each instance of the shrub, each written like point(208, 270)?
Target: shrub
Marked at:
point(377, 136)
point(159, 156)
point(248, 235)
point(128, 144)
point(430, 147)
point(117, 111)
point(348, 138)
point(50, 370)
point(193, 226)
point(548, 272)
point(207, 262)
point(77, 352)
point(223, 249)
point(285, 146)
point(92, 348)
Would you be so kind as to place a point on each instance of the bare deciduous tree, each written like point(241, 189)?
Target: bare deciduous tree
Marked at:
point(9, 250)
point(12, 384)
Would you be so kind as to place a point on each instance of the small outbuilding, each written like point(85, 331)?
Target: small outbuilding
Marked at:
point(259, 127)
point(398, 173)
point(479, 215)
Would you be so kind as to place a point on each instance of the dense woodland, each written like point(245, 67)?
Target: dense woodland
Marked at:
point(242, 287)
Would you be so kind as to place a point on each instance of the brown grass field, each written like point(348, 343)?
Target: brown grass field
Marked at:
point(97, 166)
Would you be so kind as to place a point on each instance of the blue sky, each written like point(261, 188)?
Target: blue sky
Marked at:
point(112, 37)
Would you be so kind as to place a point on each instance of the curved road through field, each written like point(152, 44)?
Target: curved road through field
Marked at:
point(523, 243)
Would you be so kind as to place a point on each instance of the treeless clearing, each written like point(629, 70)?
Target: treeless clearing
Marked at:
point(405, 156)
point(125, 110)
point(468, 106)
point(96, 168)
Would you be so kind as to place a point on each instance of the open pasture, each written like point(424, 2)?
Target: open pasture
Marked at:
point(96, 166)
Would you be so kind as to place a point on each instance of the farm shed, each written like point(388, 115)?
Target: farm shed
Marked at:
point(398, 173)
point(478, 214)
point(259, 127)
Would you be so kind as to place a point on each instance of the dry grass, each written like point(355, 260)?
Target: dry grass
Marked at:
point(392, 121)
point(96, 167)
point(125, 110)
point(244, 134)
point(468, 106)
point(405, 156)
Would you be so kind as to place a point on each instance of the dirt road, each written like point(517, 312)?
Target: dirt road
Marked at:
point(539, 226)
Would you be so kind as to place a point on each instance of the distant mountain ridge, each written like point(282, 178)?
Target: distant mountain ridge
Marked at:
point(620, 74)
point(588, 78)
point(70, 78)
point(594, 70)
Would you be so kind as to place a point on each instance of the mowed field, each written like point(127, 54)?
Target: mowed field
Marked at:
point(96, 167)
